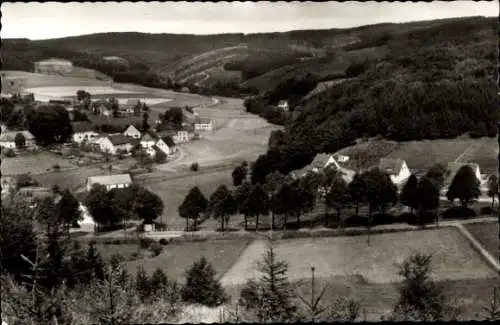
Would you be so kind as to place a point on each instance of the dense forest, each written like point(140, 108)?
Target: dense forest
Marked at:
point(434, 83)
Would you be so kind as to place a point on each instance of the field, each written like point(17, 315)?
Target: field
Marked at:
point(341, 257)
point(42, 80)
point(487, 235)
point(119, 121)
point(421, 155)
point(34, 163)
point(71, 179)
point(173, 192)
point(177, 258)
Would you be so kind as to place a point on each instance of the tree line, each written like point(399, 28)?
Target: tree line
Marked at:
point(290, 197)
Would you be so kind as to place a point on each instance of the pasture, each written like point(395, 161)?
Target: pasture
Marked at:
point(34, 163)
point(71, 179)
point(487, 234)
point(177, 258)
point(43, 80)
point(173, 191)
point(351, 257)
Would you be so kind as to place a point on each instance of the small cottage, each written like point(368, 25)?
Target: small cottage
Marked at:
point(115, 144)
point(203, 124)
point(83, 131)
point(132, 132)
point(396, 168)
point(26, 140)
point(110, 181)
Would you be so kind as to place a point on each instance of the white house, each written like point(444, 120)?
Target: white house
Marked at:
point(283, 104)
point(53, 65)
point(8, 139)
point(149, 140)
point(396, 168)
point(110, 181)
point(166, 145)
point(83, 131)
point(322, 161)
point(132, 132)
point(115, 144)
point(203, 125)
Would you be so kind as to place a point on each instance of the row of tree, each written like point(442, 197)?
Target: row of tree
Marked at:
point(287, 196)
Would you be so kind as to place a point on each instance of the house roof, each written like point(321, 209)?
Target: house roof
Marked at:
point(168, 140)
point(80, 127)
point(453, 168)
point(150, 136)
point(110, 179)
point(391, 166)
point(132, 102)
point(119, 139)
point(54, 60)
point(11, 135)
point(132, 128)
point(320, 160)
point(203, 121)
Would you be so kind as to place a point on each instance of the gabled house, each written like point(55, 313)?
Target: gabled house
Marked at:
point(167, 145)
point(132, 132)
point(203, 124)
point(83, 131)
point(283, 104)
point(8, 139)
point(110, 181)
point(149, 139)
point(115, 144)
point(396, 168)
point(322, 161)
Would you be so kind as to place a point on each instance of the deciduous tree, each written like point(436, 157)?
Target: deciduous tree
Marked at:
point(222, 205)
point(409, 195)
point(464, 186)
point(493, 191)
point(338, 197)
point(194, 204)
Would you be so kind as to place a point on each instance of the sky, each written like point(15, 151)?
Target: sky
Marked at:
point(35, 20)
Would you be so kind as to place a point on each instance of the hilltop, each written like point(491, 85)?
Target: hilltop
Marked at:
point(232, 61)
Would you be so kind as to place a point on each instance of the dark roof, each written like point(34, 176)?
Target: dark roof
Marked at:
point(82, 127)
point(168, 140)
point(119, 139)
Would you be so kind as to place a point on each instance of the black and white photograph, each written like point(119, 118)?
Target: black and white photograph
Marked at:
point(249, 162)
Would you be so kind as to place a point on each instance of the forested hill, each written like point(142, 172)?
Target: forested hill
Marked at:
point(438, 82)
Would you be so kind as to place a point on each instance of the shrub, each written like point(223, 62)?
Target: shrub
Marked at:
point(487, 210)
point(195, 167)
point(145, 243)
point(458, 213)
point(201, 285)
point(56, 167)
point(155, 248)
point(9, 153)
point(383, 219)
point(355, 221)
point(163, 242)
point(407, 217)
point(160, 157)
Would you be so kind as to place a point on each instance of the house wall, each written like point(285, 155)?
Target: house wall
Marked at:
point(109, 186)
point(147, 144)
point(53, 67)
point(203, 126)
point(8, 144)
point(81, 136)
point(133, 134)
point(403, 175)
point(163, 147)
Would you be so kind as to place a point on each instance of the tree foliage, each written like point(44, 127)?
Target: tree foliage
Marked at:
point(201, 285)
point(464, 186)
point(222, 205)
point(194, 204)
point(51, 124)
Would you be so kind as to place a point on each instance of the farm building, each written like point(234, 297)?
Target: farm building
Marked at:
point(116, 60)
point(396, 168)
point(83, 131)
point(152, 139)
point(167, 145)
point(132, 132)
point(180, 136)
point(110, 181)
point(53, 66)
point(283, 104)
point(8, 140)
point(322, 161)
point(453, 168)
point(203, 125)
point(118, 143)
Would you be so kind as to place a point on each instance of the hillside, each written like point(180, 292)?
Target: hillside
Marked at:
point(435, 82)
point(158, 59)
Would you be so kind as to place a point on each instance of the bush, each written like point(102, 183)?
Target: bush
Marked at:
point(145, 243)
point(487, 210)
point(195, 167)
point(458, 213)
point(156, 248)
point(9, 153)
point(56, 167)
point(160, 157)
point(355, 221)
point(164, 242)
point(202, 287)
point(407, 217)
point(383, 219)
